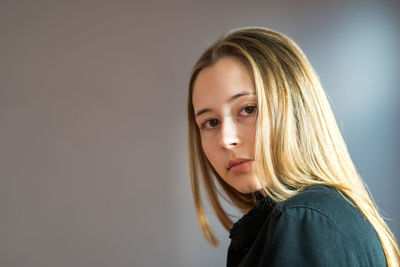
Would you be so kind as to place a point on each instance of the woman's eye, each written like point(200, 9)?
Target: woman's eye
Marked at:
point(212, 123)
point(249, 109)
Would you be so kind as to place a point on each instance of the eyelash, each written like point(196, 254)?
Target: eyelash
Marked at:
point(203, 125)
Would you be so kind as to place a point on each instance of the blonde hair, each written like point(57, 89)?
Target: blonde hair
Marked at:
point(298, 143)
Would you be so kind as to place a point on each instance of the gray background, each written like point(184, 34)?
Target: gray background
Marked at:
point(93, 160)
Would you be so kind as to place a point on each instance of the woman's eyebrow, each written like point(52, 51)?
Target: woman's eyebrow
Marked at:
point(230, 100)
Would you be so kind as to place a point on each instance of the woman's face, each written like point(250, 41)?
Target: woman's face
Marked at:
point(225, 106)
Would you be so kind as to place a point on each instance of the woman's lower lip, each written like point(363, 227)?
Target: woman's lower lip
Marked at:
point(241, 167)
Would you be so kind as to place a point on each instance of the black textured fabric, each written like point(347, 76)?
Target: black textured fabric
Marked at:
point(246, 229)
point(318, 227)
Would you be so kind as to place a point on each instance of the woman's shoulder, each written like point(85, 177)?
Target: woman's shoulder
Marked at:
point(317, 227)
point(324, 203)
point(321, 198)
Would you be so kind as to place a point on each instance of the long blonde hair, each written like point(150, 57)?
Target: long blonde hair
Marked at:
point(298, 143)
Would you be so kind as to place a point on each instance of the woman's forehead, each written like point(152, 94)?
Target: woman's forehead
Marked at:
point(223, 80)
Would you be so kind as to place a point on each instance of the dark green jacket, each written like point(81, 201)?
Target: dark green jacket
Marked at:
point(317, 227)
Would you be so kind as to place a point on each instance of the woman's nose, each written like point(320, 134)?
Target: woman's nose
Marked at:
point(229, 134)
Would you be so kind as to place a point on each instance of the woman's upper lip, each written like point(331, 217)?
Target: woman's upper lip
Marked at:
point(236, 161)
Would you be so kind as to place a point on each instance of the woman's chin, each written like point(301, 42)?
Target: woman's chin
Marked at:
point(248, 189)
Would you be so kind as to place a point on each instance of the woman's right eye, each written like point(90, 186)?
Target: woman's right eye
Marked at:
point(212, 123)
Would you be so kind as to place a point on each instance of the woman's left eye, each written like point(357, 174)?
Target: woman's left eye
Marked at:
point(249, 109)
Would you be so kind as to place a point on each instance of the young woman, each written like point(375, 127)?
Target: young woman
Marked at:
point(260, 124)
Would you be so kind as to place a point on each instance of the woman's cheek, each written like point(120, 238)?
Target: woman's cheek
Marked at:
point(207, 145)
point(209, 149)
point(213, 159)
point(207, 152)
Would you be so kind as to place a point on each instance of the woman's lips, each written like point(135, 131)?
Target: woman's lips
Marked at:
point(241, 167)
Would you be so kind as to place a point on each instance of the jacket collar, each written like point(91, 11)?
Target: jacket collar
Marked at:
point(246, 229)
